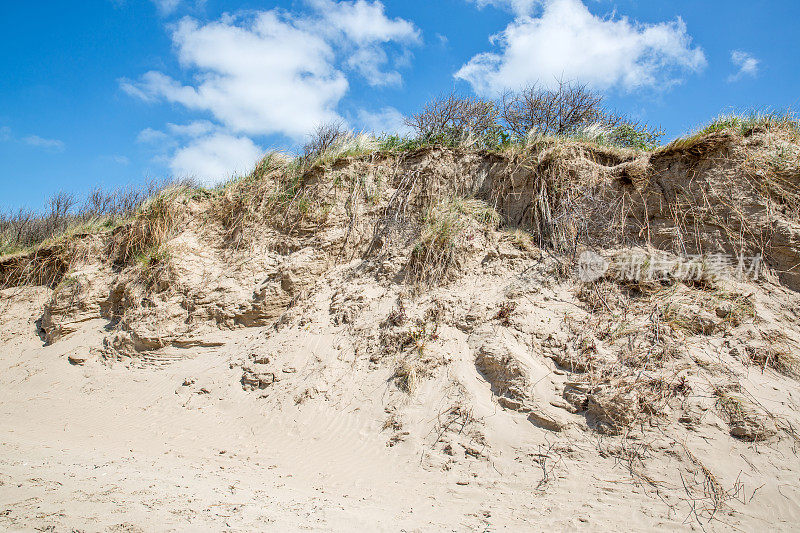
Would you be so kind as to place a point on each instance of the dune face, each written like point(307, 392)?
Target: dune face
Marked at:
point(567, 337)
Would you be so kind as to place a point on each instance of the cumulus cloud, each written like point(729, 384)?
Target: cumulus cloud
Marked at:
point(368, 61)
point(386, 120)
point(566, 41)
point(267, 72)
point(272, 72)
point(364, 22)
point(215, 158)
point(263, 78)
point(746, 63)
point(202, 150)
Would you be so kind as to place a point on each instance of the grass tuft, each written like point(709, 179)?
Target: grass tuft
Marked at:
point(445, 229)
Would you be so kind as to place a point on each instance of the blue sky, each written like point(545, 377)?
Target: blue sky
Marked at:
point(114, 92)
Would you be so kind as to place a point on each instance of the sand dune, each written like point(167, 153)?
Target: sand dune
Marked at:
point(332, 374)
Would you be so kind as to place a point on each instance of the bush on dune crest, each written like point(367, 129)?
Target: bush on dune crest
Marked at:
point(568, 111)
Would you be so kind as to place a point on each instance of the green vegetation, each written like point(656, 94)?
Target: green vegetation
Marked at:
point(745, 124)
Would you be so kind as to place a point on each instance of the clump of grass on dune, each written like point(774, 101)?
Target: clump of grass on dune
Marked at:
point(47, 245)
point(445, 226)
point(280, 192)
point(285, 191)
point(149, 228)
point(748, 123)
point(66, 216)
point(241, 202)
point(331, 142)
point(729, 126)
point(349, 145)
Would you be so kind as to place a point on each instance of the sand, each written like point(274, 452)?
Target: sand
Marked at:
point(304, 378)
point(182, 446)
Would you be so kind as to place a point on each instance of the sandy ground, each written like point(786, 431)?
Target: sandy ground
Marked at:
point(182, 447)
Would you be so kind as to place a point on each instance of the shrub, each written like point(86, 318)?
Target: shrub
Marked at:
point(322, 139)
point(629, 134)
point(560, 111)
point(455, 120)
point(571, 110)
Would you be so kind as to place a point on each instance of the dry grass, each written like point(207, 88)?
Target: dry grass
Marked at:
point(406, 376)
point(241, 204)
point(137, 220)
point(290, 195)
point(446, 227)
point(746, 420)
point(778, 353)
point(775, 173)
point(150, 228)
point(627, 354)
point(703, 312)
point(567, 204)
point(520, 239)
point(66, 217)
point(46, 265)
point(705, 495)
point(696, 145)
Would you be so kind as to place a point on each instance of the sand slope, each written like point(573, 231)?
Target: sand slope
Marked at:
point(184, 447)
point(345, 370)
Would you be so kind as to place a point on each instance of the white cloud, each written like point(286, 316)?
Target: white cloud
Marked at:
point(271, 72)
point(566, 41)
point(202, 150)
point(368, 61)
point(215, 158)
point(387, 120)
point(267, 72)
point(193, 129)
point(152, 136)
point(52, 145)
point(166, 7)
point(746, 63)
point(521, 7)
point(48, 144)
point(364, 22)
